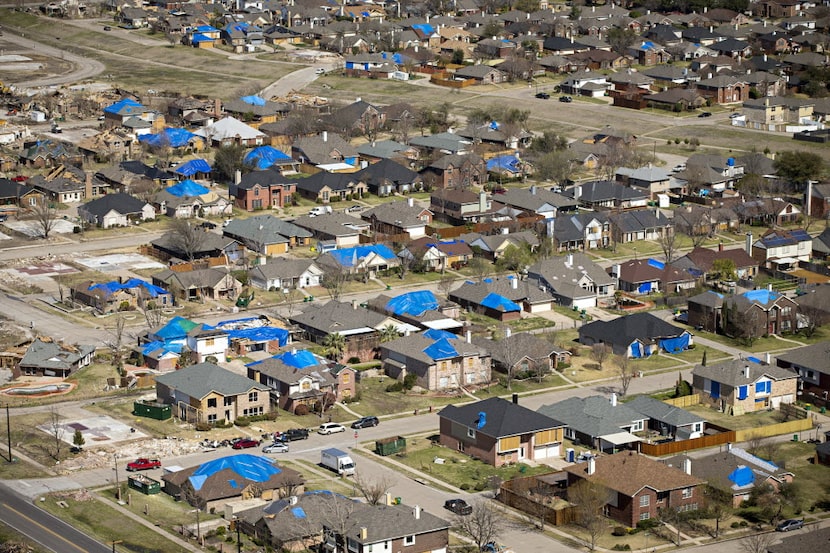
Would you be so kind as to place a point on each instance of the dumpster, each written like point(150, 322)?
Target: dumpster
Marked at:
point(144, 484)
point(389, 446)
point(152, 410)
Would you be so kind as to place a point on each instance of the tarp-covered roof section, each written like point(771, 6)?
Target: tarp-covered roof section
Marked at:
point(249, 467)
point(190, 168)
point(187, 188)
point(299, 359)
point(348, 257)
point(499, 303)
point(441, 349)
point(264, 157)
point(114, 286)
point(413, 303)
point(175, 138)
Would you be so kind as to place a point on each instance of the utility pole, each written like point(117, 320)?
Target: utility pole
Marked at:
point(198, 527)
point(113, 544)
point(238, 537)
point(117, 481)
point(9, 432)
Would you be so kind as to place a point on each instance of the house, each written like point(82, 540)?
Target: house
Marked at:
point(481, 74)
point(640, 224)
point(206, 392)
point(298, 377)
point(734, 472)
point(653, 180)
point(782, 247)
point(459, 207)
point(636, 335)
point(778, 113)
point(230, 130)
point(267, 189)
point(114, 296)
point(421, 309)
point(700, 261)
point(363, 261)
point(336, 229)
point(818, 198)
point(639, 486)
point(213, 484)
point(325, 187)
point(67, 184)
point(436, 255)
point(116, 210)
point(199, 284)
point(810, 363)
point(388, 149)
point(323, 149)
point(597, 422)
point(668, 419)
point(587, 83)
point(767, 212)
point(584, 231)
point(399, 217)
point(498, 432)
point(493, 246)
point(445, 143)
point(739, 386)
point(455, 170)
point(539, 201)
point(574, 280)
point(188, 199)
point(814, 305)
point(524, 354)
point(750, 314)
point(204, 245)
point(439, 360)
point(724, 89)
point(250, 334)
point(267, 235)
point(388, 177)
point(47, 357)
point(644, 276)
point(502, 299)
point(15, 195)
point(607, 194)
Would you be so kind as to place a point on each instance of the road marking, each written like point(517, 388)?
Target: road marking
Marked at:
point(45, 529)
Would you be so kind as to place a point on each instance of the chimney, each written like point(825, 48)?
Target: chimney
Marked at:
point(325, 136)
point(616, 270)
point(410, 202)
point(592, 466)
point(292, 500)
point(687, 466)
point(515, 399)
point(746, 371)
point(237, 176)
point(354, 305)
point(728, 446)
point(417, 512)
point(749, 243)
point(293, 351)
point(469, 336)
point(364, 533)
point(482, 201)
point(533, 190)
point(569, 260)
point(88, 186)
point(768, 359)
point(613, 399)
point(720, 246)
point(769, 287)
point(217, 108)
point(577, 192)
point(809, 197)
point(514, 283)
point(508, 332)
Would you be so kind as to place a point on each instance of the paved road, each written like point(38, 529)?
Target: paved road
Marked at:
point(41, 527)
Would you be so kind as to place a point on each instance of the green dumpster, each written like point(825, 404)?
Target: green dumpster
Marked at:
point(152, 409)
point(144, 484)
point(389, 446)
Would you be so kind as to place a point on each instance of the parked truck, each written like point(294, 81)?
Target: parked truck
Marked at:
point(338, 461)
point(319, 210)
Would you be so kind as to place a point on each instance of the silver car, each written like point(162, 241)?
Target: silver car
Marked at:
point(276, 447)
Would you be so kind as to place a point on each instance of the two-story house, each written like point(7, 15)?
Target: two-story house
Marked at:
point(459, 207)
point(267, 189)
point(782, 247)
point(574, 280)
point(741, 386)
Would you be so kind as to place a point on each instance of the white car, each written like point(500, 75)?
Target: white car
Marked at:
point(331, 428)
point(276, 447)
point(319, 71)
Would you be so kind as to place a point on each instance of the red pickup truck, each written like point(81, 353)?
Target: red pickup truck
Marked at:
point(144, 464)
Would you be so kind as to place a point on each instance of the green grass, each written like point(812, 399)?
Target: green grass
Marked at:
point(411, 279)
point(531, 323)
point(375, 400)
point(696, 355)
point(760, 345)
point(552, 380)
point(749, 420)
point(570, 313)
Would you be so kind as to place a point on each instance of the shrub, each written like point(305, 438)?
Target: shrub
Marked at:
point(354, 360)
point(396, 386)
point(621, 547)
point(243, 421)
point(480, 486)
point(648, 524)
point(301, 410)
point(409, 380)
point(619, 531)
point(203, 426)
point(465, 486)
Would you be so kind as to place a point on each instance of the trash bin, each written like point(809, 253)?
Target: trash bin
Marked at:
point(795, 437)
point(808, 407)
point(822, 410)
point(397, 501)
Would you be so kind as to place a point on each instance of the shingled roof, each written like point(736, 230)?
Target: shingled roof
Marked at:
point(498, 418)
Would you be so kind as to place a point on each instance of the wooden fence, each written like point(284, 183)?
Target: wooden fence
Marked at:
point(684, 401)
point(673, 448)
point(789, 427)
point(530, 496)
point(483, 228)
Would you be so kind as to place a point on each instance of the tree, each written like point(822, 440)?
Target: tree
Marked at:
point(724, 269)
point(741, 325)
point(229, 160)
point(389, 333)
point(153, 315)
point(696, 224)
point(57, 430)
point(528, 6)
point(554, 166)
point(668, 243)
point(797, 167)
point(514, 258)
point(335, 343)
point(811, 318)
point(757, 543)
point(44, 214)
point(589, 499)
point(372, 490)
point(483, 525)
point(480, 268)
point(445, 284)
point(625, 372)
point(116, 344)
point(621, 39)
point(548, 142)
point(186, 238)
point(719, 509)
point(334, 280)
point(78, 439)
point(599, 353)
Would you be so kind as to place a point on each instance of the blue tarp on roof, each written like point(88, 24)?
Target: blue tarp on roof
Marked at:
point(264, 157)
point(504, 163)
point(349, 257)
point(114, 286)
point(656, 264)
point(177, 327)
point(413, 303)
point(190, 168)
point(441, 349)
point(742, 476)
point(300, 359)
point(198, 38)
point(676, 345)
point(298, 512)
point(762, 296)
point(261, 334)
point(125, 107)
point(250, 467)
point(425, 28)
point(175, 138)
point(206, 29)
point(754, 360)
point(187, 188)
point(437, 334)
point(499, 303)
point(174, 346)
point(644, 288)
point(253, 100)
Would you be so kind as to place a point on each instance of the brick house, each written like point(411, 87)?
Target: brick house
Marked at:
point(810, 362)
point(262, 190)
point(456, 171)
point(639, 486)
point(724, 89)
point(498, 431)
point(819, 200)
point(741, 386)
point(769, 312)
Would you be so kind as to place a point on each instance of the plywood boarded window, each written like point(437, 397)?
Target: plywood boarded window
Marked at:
point(509, 444)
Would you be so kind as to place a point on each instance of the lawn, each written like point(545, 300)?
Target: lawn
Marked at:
point(531, 323)
point(748, 420)
point(759, 345)
point(584, 369)
point(798, 457)
point(411, 279)
point(375, 400)
point(696, 355)
point(529, 385)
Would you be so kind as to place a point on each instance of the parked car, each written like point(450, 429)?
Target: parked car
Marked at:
point(493, 547)
point(143, 464)
point(107, 28)
point(566, 99)
point(790, 524)
point(543, 95)
point(734, 115)
point(330, 428)
point(207, 225)
point(294, 434)
point(458, 506)
point(245, 443)
point(705, 114)
point(320, 71)
point(276, 447)
point(355, 208)
point(366, 422)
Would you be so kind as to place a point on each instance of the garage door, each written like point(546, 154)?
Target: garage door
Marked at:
point(585, 302)
point(546, 451)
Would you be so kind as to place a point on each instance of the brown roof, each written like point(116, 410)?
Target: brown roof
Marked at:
point(640, 270)
point(704, 258)
point(630, 472)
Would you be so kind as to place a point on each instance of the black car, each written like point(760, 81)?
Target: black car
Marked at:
point(566, 99)
point(543, 95)
point(458, 506)
point(207, 225)
point(365, 422)
point(294, 434)
point(705, 114)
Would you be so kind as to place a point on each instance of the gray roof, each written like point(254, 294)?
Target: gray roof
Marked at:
point(382, 148)
point(476, 291)
point(282, 520)
point(717, 467)
point(815, 357)
point(510, 350)
point(622, 331)
point(534, 198)
point(443, 141)
point(336, 316)
point(397, 213)
point(283, 267)
point(562, 278)
point(194, 279)
point(290, 375)
point(207, 243)
point(603, 190)
point(318, 151)
point(731, 373)
point(655, 409)
point(593, 416)
point(120, 203)
point(332, 224)
point(52, 355)
point(414, 346)
point(501, 419)
point(264, 229)
point(197, 381)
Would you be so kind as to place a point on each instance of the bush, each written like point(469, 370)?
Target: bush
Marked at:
point(465, 486)
point(621, 547)
point(301, 410)
point(243, 421)
point(480, 486)
point(396, 386)
point(648, 524)
point(619, 531)
point(203, 426)
point(409, 380)
point(354, 360)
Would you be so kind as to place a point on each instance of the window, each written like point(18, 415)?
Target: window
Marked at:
point(637, 426)
point(645, 500)
point(471, 433)
point(212, 403)
point(743, 392)
point(645, 516)
point(209, 342)
point(228, 401)
point(253, 397)
point(687, 493)
point(409, 540)
point(662, 496)
point(785, 311)
point(253, 411)
point(347, 377)
point(697, 427)
point(211, 418)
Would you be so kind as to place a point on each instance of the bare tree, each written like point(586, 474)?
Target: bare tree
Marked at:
point(481, 268)
point(291, 486)
point(334, 280)
point(668, 243)
point(625, 372)
point(186, 237)
point(445, 284)
point(719, 509)
point(116, 343)
point(153, 314)
point(483, 525)
point(599, 353)
point(43, 213)
point(590, 498)
point(57, 430)
point(372, 490)
point(757, 543)
point(511, 356)
point(696, 224)
point(810, 319)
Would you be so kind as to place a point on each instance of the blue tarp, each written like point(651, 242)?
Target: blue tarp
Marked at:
point(174, 346)
point(499, 303)
point(264, 157)
point(715, 391)
point(644, 288)
point(762, 296)
point(504, 163)
point(187, 188)
point(636, 350)
point(742, 476)
point(298, 512)
point(656, 264)
point(743, 392)
point(261, 334)
point(482, 420)
point(436, 334)
point(425, 28)
point(175, 138)
point(249, 467)
point(441, 349)
point(190, 168)
point(300, 359)
point(177, 327)
point(125, 107)
point(754, 360)
point(114, 286)
point(349, 257)
point(413, 303)
point(253, 100)
point(675, 345)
